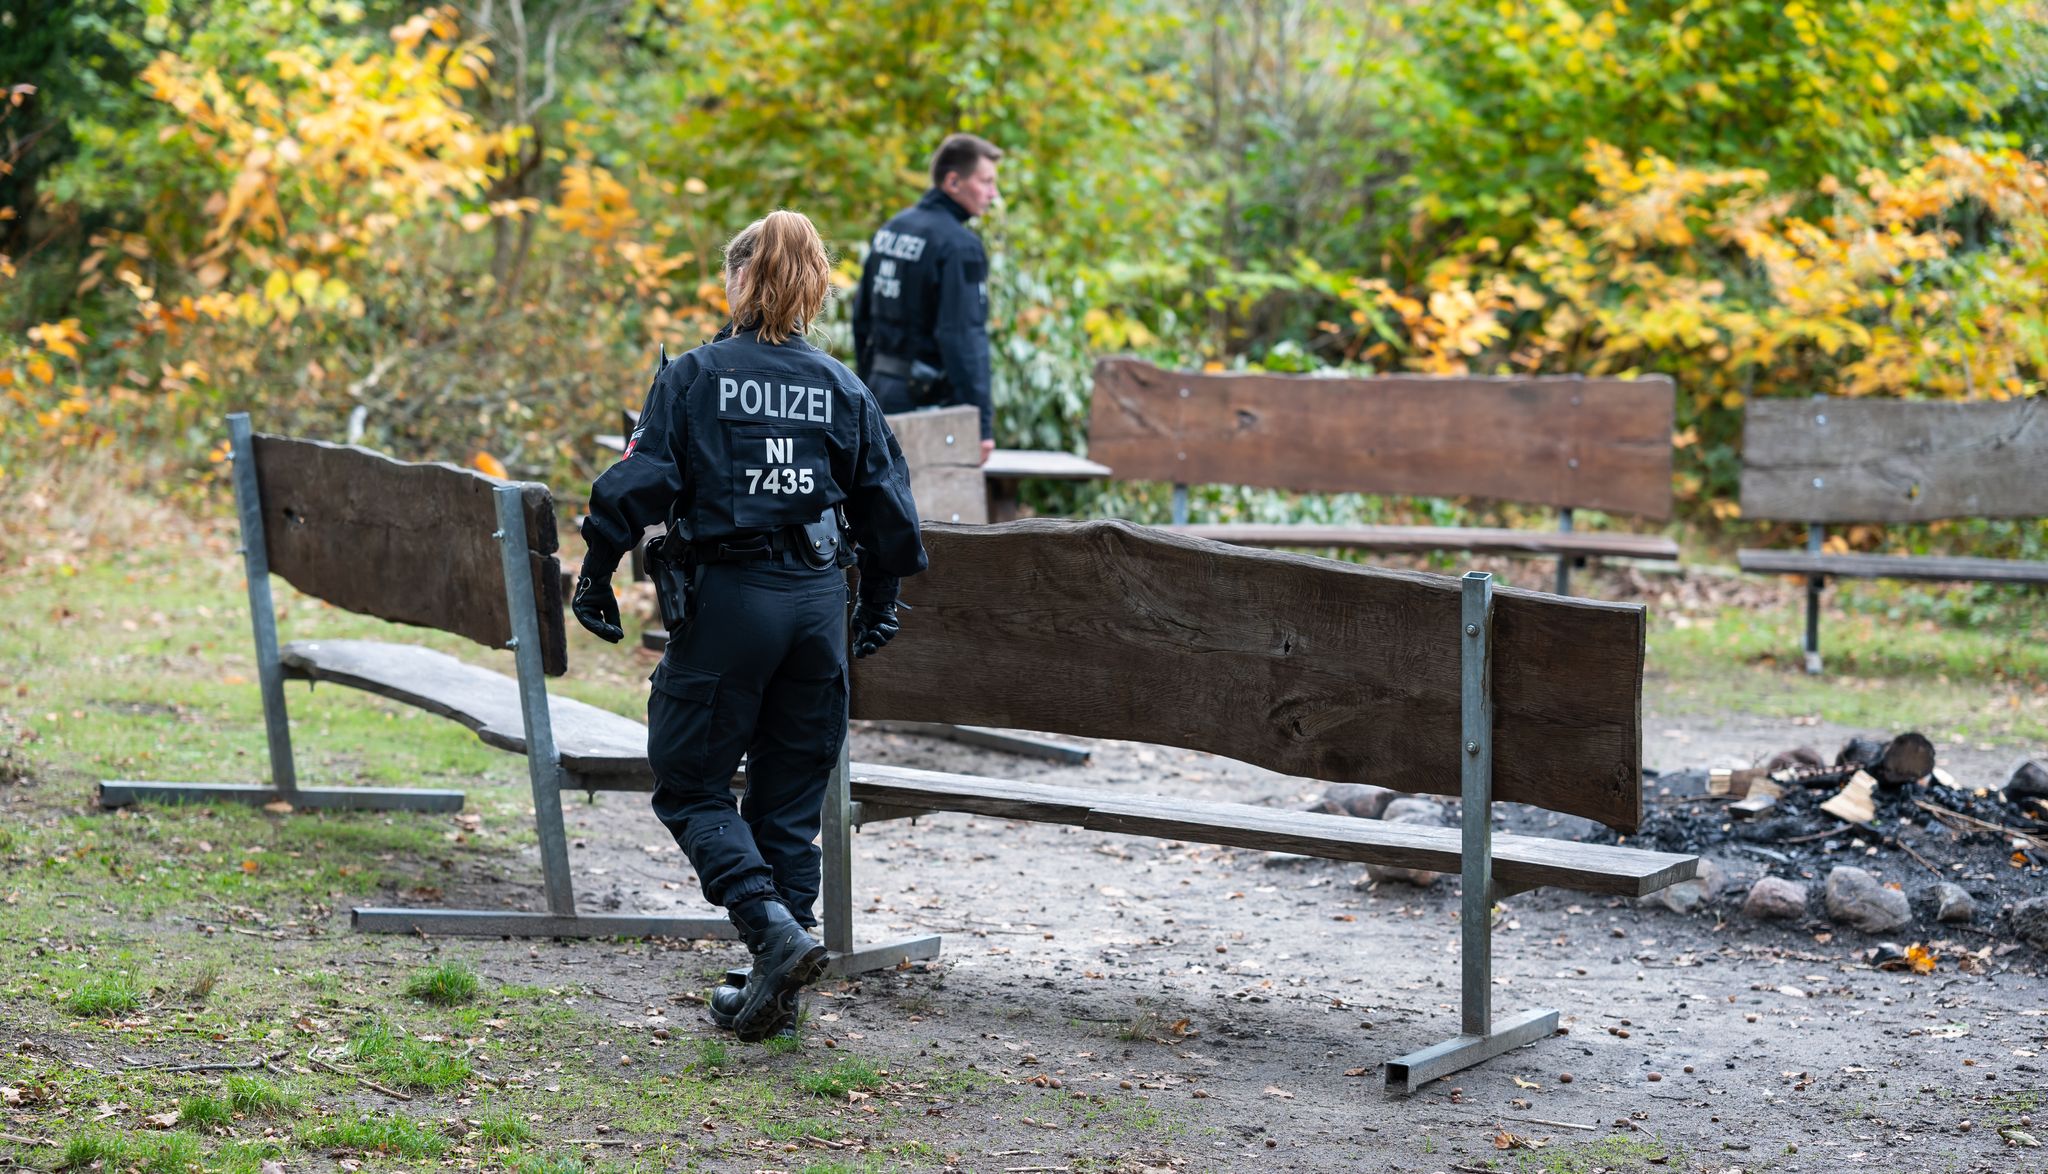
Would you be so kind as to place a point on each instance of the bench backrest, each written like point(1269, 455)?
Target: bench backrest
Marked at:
point(1843, 460)
point(1303, 665)
point(1557, 440)
point(401, 541)
point(942, 448)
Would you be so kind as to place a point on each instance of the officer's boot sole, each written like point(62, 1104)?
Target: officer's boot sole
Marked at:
point(772, 997)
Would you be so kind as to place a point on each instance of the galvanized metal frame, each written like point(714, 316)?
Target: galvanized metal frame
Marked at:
point(1480, 1037)
point(284, 780)
point(1564, 561)
point(549, 779)
point(1816, 540)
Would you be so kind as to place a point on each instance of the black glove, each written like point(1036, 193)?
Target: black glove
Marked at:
point(595, 606)
point(874, 624)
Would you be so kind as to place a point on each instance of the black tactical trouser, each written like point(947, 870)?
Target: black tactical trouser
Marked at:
point(760, 671)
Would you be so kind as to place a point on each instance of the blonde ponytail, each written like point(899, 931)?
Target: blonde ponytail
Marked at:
point(777, 275)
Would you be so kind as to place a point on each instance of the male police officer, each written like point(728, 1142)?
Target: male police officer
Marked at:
point(920, 320)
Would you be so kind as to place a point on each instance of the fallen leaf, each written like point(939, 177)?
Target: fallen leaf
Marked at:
point(1274, 1090)
point(10, 1095)
point(2018, 1137)
point(1515, 1141)
point(1520, 1083)
point(1354, 1072)
point(163, 1120)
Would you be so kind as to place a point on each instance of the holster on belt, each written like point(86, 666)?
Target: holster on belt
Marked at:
point(672, 567)
point(926, 383)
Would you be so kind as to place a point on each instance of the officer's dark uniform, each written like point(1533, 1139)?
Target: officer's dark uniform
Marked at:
point(749, 441)
point(922, 312)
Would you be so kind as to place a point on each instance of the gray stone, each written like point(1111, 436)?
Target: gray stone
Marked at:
point(1359, 800)
point(1952, 902)
point(1775, 898)
point(1687, 896)
point(1416, 811)
point(2030, 922)
point(1410, 809)
point(1856, 898)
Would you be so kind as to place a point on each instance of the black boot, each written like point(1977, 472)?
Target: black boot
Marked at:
point(730, 996)
point(786, 959)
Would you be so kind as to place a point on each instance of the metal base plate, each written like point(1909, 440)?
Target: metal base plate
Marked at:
point(491, 923)
point(883, 957)
point(122, 793)
point(1412, 1071)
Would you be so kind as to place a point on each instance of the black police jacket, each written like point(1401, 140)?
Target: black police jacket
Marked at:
point(924, 297)
point(745, 437)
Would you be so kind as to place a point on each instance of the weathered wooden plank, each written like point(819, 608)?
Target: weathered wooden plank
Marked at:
point(942, 447)
point(1519, 861)
point(1303, 665)
point(1860, 460)
point(589, 740)
point(1600, 444)
point(401, 541)
point(1421, 539)
point(1893, 566)
point(1007, 464)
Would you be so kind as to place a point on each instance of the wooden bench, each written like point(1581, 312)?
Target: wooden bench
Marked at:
point(452, 549)
point(1563, 441)
point(1890, 461)
point(1306, 666)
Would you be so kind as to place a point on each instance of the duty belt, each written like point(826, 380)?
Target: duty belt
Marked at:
point(757, 547)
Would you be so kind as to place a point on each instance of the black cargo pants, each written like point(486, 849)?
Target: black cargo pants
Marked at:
point(760, 671)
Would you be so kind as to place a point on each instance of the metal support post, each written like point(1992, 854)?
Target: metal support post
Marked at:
point(837, 838)
point(277, 726)
point(1816, 539)
point(1564, 561)
point(543, 767)
point(1180, 504)
point(1479, 1038)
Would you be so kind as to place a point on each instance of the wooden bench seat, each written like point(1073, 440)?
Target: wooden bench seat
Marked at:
point(1564, 441)
point(1942, 568)
point(1519, 862)
point(1423, 539)
point(1826, 461)
point(594, 744)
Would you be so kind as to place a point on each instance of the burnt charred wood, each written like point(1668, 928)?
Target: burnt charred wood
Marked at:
point(2029, 780)
point(1907, 758)
point(1860, 752)
point(1797, 756)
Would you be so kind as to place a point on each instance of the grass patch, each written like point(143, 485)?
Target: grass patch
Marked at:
point(203, 982)
point(782, 1045)
point(503, 1129)
point(257, 1097)
point(409, 1063)
point(168, 1153)
point(1612, 1155)
point(547, 1164)
point(99, 995)
point(204, 1111)
point(712, 1053)
point(399, 1136)
point(94, 1145)
point(850, 1074)
point(800, 1128)
point(446, 985)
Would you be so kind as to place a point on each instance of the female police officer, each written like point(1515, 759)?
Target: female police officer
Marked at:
point(758, 446)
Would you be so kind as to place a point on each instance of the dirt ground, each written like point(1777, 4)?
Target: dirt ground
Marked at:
point(1236, 1007)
